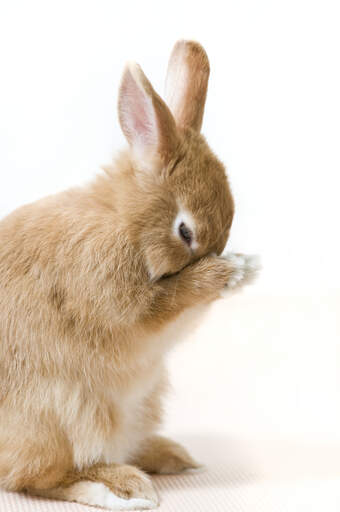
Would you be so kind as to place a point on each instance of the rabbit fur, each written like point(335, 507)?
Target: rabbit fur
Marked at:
point(95, 285)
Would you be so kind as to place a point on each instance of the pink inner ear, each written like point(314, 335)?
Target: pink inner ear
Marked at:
point(137, 114)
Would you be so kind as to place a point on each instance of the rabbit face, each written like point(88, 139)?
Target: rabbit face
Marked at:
point(179, 194)
point(203, 197)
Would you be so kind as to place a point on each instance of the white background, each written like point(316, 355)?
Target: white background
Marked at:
point(265, 364)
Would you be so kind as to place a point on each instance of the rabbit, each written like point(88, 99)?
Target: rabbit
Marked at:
point(95, 285)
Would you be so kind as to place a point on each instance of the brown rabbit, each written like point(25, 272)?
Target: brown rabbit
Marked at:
point(90, 281)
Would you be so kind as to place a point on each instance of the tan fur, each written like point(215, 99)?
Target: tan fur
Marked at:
point(123, 480)
point(90, 280)
point(189, 68)
point(163, 456)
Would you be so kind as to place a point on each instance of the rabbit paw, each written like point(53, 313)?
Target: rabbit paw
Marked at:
point(131, 490)
point(164, 456)
point(245, 269)
point(112, 488)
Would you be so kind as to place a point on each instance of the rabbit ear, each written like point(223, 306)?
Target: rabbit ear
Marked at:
point(146, 121)
point(186, 83)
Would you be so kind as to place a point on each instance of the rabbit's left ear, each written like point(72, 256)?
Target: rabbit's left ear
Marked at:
point(187, 83)
point(146, 121)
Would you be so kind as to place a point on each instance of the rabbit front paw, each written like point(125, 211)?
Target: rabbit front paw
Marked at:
point(244, 269)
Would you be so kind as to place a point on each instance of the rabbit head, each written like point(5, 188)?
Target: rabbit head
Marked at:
point(176, 195)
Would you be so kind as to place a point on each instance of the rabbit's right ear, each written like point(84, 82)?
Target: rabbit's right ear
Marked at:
point(146, 121)
point(187, 83)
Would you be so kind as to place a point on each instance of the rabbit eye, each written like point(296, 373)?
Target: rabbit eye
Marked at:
point(185, 233)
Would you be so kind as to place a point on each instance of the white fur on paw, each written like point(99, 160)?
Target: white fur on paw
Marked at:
point(245, 269)
point(97, 494)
